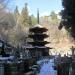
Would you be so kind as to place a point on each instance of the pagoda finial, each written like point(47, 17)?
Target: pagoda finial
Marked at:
point(38, 16)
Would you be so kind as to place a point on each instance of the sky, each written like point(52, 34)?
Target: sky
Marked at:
point(44, 6)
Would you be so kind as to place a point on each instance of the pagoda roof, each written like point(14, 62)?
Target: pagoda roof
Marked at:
point(38, 47)
point(38, 35)
point(38, 27)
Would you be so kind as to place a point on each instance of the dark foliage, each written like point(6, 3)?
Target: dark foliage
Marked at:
point(68, 16)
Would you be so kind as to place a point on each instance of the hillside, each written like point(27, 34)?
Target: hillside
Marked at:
point(61, 42)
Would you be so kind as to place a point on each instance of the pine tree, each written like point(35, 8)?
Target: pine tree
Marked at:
point(25, 16)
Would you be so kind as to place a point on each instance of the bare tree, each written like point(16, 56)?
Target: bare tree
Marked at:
point(3, 7)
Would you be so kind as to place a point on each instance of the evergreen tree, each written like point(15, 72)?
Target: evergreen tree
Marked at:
point(38, 16)
point(30, 21)
point(68, 16)
point(16, 13)
point(33, 20)
point(25, 16)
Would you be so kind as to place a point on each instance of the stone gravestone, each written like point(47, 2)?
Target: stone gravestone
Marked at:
point(73, 68)
point(1, 69)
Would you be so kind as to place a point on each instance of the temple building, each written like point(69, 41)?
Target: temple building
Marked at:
point(38, 48)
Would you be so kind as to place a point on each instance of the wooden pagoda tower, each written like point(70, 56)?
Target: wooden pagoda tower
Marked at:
point(38, 48)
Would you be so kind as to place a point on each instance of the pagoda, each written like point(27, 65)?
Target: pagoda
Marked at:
point(38, 48)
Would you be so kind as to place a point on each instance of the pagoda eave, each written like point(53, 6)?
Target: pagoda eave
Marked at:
point(36, 36)
point(38, 29)
point(38, 48)
point(39, 42)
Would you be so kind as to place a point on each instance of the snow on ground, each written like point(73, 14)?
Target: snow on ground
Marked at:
point(46, 68)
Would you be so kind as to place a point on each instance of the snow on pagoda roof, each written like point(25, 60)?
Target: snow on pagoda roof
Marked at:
point(37, 47)
point(38, 28)
point(37, 25)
